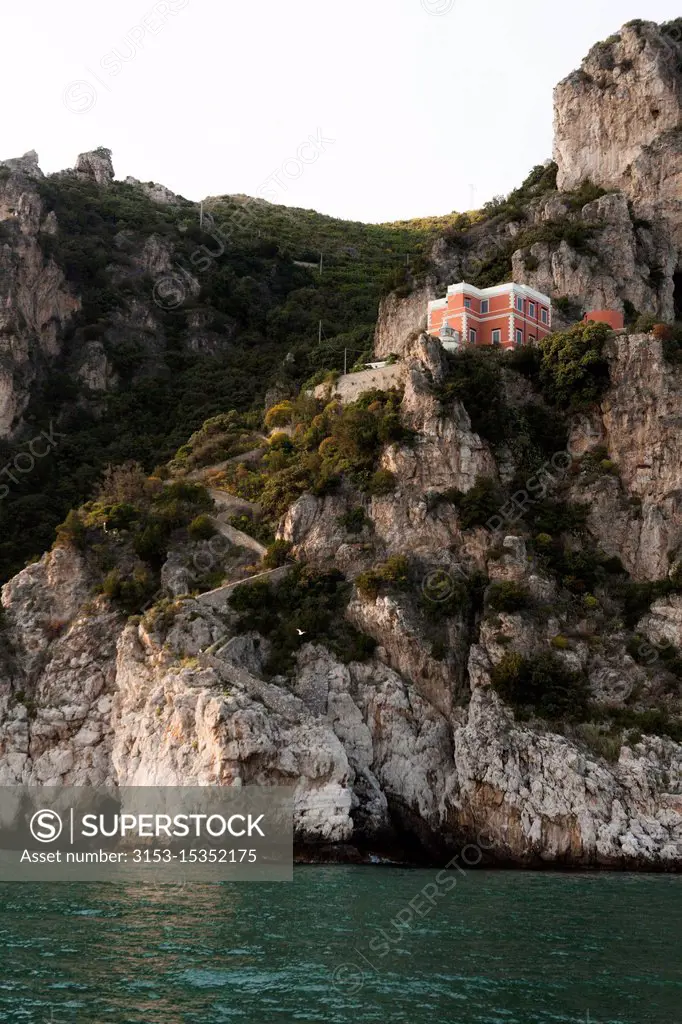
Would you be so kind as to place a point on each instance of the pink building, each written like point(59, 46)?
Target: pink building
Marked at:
point(613, 317)
point(506, 315)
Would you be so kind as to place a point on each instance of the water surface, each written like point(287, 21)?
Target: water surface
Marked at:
point(341, 945)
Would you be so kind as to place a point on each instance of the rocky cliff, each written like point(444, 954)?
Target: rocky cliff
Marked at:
point(469, 627)
point(618, 121)
point(413, 747)
point(601, 227)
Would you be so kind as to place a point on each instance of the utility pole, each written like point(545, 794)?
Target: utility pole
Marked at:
point(345, 361)
point(319, 334)
point(201, 215)
point(320, 264)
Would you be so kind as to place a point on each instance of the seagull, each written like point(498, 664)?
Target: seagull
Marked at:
point(301, 632)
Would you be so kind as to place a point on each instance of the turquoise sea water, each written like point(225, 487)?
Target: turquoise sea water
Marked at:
point(341, 945)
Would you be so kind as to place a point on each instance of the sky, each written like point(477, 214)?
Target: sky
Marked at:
point(371, 110)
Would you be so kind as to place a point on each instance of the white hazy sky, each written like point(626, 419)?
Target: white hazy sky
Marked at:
point(429, 102)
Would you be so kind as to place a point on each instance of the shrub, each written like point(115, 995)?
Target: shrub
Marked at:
point(555, 517)
point(277, 554)
point(253, 528)
point(604, 744)
point(132, 593)
point(507, 596)
point(394, 573)
point(597, 461)
point(201, 528)
point(151, 543)
point(479, 504)
point(664, 332)
point(560, 643)
point(644, 323)
point(279, 415)
point(473, 378)
point(71, 532)
point(125, 484)
point(382, 482)
point(120, 516)
point(305, 600)
point(542, 685)
point(281, 442)
point(354, 520)
point(574, 372)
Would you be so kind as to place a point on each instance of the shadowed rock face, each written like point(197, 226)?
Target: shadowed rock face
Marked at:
point(35, 299)
point(618, 121)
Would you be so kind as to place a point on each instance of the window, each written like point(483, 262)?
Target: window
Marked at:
point(531, 309)
point(531, 339)
point(472, 336)
point(467, 303)
point(519, 337)
point(485, 305)
point(497, 337)
point(519, 304)
point(544, 316)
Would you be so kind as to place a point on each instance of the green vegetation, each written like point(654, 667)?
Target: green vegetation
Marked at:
point(253, 527)
point(219, 438)
point(355, 520)
point(305, 600)
point(474, 377)
point(664, 655)
point(139, 510)
point(579, 570)
point(477, 505)
point(131, 594)
point(542, 179)
point(638, 597)
point(574, 372)
point(507, 596)
point(652, 722)
point(597, 462)
point(541, 685)
point(328, 443)
point(201, 528)
point(253, 324)
point(393, 574)
point(277, 554)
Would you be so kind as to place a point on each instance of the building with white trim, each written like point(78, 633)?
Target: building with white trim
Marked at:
point(506, 315)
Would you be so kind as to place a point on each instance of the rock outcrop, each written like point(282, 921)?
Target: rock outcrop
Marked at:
point(35, 299)
point(95, 166)
point(412, 747)
point(618, 121)
point(625, 259)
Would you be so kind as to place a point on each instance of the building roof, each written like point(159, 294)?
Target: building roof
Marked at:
point(498, 289)
point(486, 293)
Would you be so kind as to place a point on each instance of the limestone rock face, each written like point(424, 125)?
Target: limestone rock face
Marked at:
point(400, 321)
point(615, 268)
point(55, 714)
point(618, 121)
point(95, 166)
point(35, 300)
point(27, 164)
point(158, 193)
point(640, 518)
